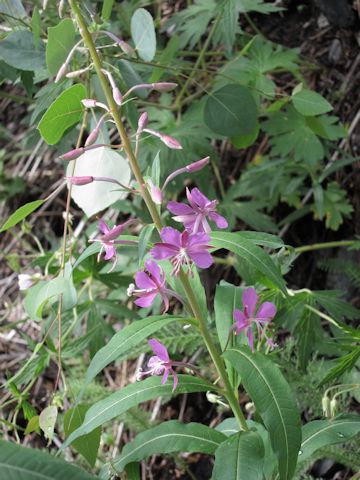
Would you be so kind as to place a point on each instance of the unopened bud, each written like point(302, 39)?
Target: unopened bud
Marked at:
point(84, 180)
point(333, 407)
point(72, 154)
point(126, 48)
point(325, 403)
point(89, 102)
point(250, 407)
point(77, 73)
point(155, 193)
point(143, 121)
point(170, 142)
point(61, 72)
point(164, 86)
point(196, 166)
point(93, 135)
point(117, 96)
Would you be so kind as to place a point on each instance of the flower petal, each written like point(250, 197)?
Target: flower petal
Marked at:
point(143, 280)
point(110, 251)
point(198, 198)
point(249, 300)
point(199, 238)
point(146, 300)
point(220, 221)
point(241, 320)
point(104, 229)
point(165, 376)
point(178, 208)
point(266, 312)
point(161, 251)
point(176, 380)
point(201, 259)
point(155, 270)
point(171, 235)
point(159, 349)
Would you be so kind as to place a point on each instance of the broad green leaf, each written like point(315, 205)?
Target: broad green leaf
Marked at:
point(169, 437)
point(143, 34)
point(274, 402)
point(310, 103)
point(240, 457)
point(246, 249)
point(231, 111)
point(62, 114)
point(167, 55)
point(47, 420)
point(61, 39)
point(87, 445)
point(124, 341)
point(130, 396)
point(20, 214)
point(245, 141)
point(321, 433)
point(106, 9)
point(20, 463)
point(97, 196)
point(18, 50)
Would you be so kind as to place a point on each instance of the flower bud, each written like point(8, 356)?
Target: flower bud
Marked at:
point(89, 102)
point(61, 72)
point(333, 407)
point(143, 121)
point(325, 403)
point(117, 96)
point(84, 180)
point(72, 154)
point(130, 290)
point(25, 281)
point(77, 73)
point(93, 135)
point(164, 86)
point(155, 193)
point(170, 142)
point(196, 166)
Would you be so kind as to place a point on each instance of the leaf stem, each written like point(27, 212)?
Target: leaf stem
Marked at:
point(215, 355)
point(321, 246)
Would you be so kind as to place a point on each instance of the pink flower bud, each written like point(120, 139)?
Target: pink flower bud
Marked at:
point(164, 86)
point(155, 193)
point(89, 102)
point(77, 73)
point(61, 72)
point(143, 121)
point(93, 135)
point(117, 96)
point(72, 154)
point(170, 142)
point(85, 180)
point(196, 166)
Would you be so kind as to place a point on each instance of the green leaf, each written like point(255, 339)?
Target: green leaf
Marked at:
point(259, 259)
point(169, 437)
point(36, 26)
point(274, 402)
point(124, 341)
point(20, 463)
point(240, 457)
point(100, 162)
point(144, 239)
point(87, 445)
point(344, 364)
point(106, 9)
point(62, 114)
point(18, 51)
point(321, 433)
point(263, 239)
point(143, 34)
point(61, 39)
point(20, 214)
point(33, 425)
point(310, 103)
point(167, 55)
point(231, 111)
point(130, 396)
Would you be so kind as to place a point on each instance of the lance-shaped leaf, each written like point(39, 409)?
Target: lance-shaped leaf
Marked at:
point(20, 214)
point(169, 437)
point(124, 341)
point(20, 463)
point(240, 457)
point(321, 433)
point(274, 402)
point(247, 250)
point(130, 396)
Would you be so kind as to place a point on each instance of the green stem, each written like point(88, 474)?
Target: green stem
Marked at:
point(321, 246)
point(198, 61)
point(219, 364)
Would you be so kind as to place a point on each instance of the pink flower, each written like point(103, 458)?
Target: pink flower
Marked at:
point(150, 283)
point(159, 364)
point(194, 216)
point(183, 249)
point(245, 319)
point(108, 240)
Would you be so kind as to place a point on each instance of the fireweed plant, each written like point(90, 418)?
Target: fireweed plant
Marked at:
point(177, 245)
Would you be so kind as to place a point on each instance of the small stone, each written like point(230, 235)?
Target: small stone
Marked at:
point(335, 51)
point(322, 21)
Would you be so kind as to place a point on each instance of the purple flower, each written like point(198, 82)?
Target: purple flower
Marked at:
point(194, 216)
point(245, 319)
point(108, 239)
point(159, 364)
point(183, 249)
point(150, 283)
